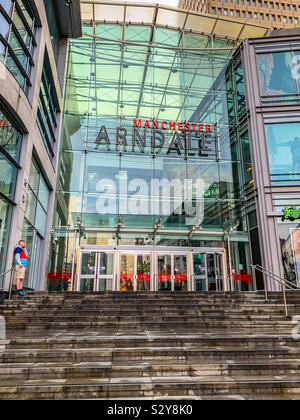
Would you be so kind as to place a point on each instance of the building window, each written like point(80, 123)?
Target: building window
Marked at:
point(277, 77)
point(267, 17)
point(284, 19)
point(17, 39)
point(213, 10)
point(261, 16)
point(47, 107)
point(255, 15)
point(271, 5)
point(231, 12)
point(35, 221)
point(10, 144)
point(250, 15)
point(283, 143)
point(296, 21)
point(225, 12)
point(237, 13)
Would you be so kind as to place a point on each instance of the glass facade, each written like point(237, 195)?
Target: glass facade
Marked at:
point(47, 107)
point(147, 155)
point(34, 227)
point(10, 144)
point(17, 39)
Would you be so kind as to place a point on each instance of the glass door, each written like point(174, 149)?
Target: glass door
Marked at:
point(105, 266)
point(200, 272)
point(88, 272)
point(172, 272)
point(96, 271)
point(135, 272)
point(208, 271)
point(164, 272)
point(127, 270)
point(180, 277)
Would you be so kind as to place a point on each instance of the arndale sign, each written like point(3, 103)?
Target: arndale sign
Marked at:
point(161, 136)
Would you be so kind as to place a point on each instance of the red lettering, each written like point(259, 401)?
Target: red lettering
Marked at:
point(194, 125)
point(155, 124)
point(208, 128)
point(187, 126)
point(147, 124)
point(201, 127)
point(180, 127)
point(163, 125)
point(137, 123)
point(172, 125)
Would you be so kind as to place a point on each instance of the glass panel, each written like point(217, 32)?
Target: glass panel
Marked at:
point(43, 195)
point(10, 138)
point(8, 173)
point(31, 203)
point(4, 26)
point(86, 285)
point(5, 217)
point(34, 178)
point(28, 236)
point(143, 272)
point(40, 219)
point(105, 285)
point(275, 74)
point(164, 272)
point(284, 152)
point(127, 273)
point(88, 261)
point(199, 263)
point(211, 272)
point(106, 263)
point(7, 5)
point(22, 29)
point(180, 272)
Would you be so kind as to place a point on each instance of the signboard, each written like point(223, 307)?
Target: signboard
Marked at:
point(161, 136)
point(291, 213)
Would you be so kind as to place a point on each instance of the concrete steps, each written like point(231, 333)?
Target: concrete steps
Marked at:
point(150, 346)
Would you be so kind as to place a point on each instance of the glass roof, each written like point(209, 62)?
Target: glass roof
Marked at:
point(170, 17)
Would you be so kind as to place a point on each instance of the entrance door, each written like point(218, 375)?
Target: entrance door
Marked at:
point(135, 271)
point(208, 271)
point(172, 272)
point(96, 271)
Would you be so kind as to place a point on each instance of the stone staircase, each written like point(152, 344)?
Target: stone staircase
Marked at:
point(139, 345)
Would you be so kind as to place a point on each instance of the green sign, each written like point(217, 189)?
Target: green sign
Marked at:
point(291, 213)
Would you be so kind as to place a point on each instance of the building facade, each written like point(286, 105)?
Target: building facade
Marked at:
point(33, 50)
point(151, 182)
point(276, 14)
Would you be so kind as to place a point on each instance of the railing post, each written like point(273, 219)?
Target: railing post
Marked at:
point(284, 299)
point(266, 288)
point(253, 269)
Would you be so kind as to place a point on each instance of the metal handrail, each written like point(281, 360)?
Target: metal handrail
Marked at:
point(290, 286)
point(10, 281)
point(284, 283)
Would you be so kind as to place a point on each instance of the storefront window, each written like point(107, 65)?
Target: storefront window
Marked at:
point(283, 142)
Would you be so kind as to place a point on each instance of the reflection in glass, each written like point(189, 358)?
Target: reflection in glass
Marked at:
point(143, 272)
point(180, 272)
point(284, 152)
point(127, 273)
point(164, 272)
point(88, 262)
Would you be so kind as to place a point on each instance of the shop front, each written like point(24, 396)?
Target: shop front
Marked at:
point(150, 178)
point(151, 269)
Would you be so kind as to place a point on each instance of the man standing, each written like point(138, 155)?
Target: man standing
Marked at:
point(21, 257)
